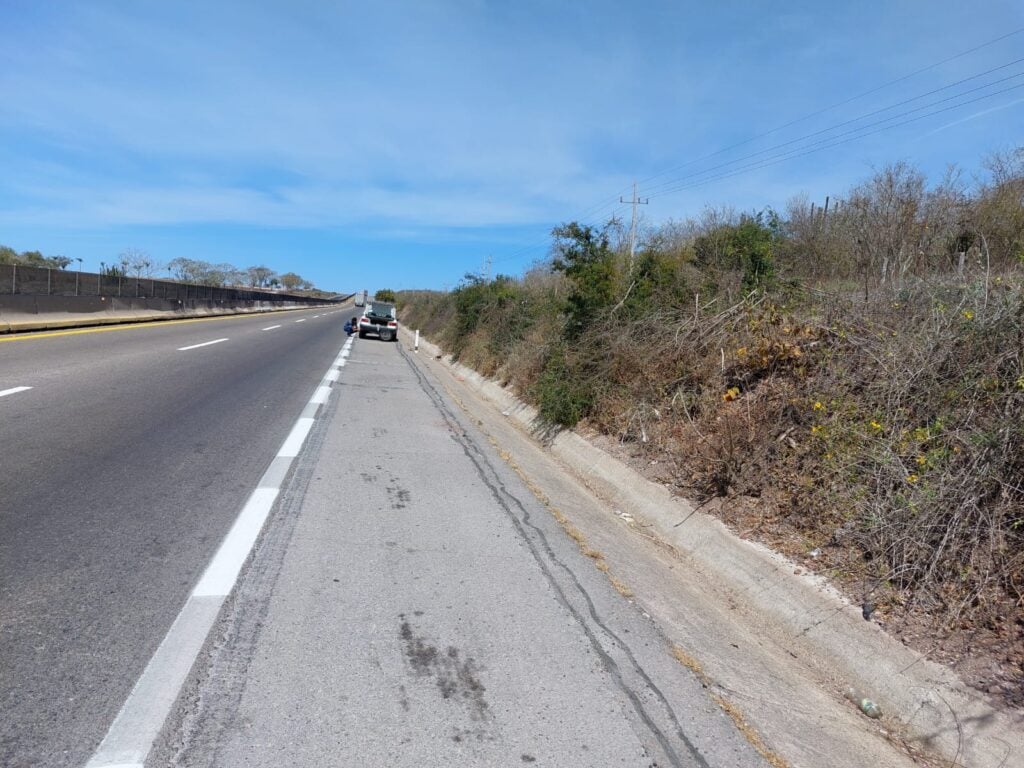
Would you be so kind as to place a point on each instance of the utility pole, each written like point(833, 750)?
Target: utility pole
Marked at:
point(487, 268)
point(632, 224)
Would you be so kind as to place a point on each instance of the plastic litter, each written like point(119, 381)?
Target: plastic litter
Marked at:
point(863, 703)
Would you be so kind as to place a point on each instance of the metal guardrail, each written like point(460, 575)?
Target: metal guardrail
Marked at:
point(16, 279)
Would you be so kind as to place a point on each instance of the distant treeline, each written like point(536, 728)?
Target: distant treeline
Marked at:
point(138, 264)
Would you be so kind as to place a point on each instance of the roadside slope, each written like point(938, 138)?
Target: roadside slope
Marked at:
point(809, 644)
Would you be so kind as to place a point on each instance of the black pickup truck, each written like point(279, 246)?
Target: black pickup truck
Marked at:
point(380, 319)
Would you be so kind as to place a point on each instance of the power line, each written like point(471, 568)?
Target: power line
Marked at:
point(800, 152)
point(658, 188)
point(844, 102)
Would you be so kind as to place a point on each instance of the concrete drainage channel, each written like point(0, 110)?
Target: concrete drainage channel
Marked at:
point(804, 644)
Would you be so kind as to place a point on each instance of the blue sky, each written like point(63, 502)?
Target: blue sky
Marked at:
point(399, 144)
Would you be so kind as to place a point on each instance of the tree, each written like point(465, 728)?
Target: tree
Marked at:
point(384, 294)
point(259, 277)
point(185, 270)
point(137, 262)
point(32, 259)
point(291, 281)
point(998, 216)
point(887, 225)
point(584, 255)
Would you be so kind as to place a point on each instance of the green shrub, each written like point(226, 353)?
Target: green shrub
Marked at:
point(563, 397)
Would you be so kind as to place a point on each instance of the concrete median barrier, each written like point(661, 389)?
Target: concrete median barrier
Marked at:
point(38, 312)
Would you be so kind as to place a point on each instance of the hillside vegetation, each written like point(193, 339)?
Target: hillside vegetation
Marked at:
point(845, 384)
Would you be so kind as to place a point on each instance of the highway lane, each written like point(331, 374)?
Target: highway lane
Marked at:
point(121, 470)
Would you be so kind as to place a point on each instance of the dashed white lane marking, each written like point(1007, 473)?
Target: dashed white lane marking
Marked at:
point(13, 391)
point(293, 443)
point(135, 729)
point(222, 571)
point(204, 344)
point(302, 320)
point(272, 327)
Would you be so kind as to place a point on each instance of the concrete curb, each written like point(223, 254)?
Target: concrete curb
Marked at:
point(929, 702)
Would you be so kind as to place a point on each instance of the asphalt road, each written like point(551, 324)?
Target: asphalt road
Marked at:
point(123, 464)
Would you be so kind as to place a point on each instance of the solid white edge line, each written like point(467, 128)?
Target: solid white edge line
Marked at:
point(271, 327)
point(220, 574)
point(333, 375)
point(204, 344)
point(293, 443)
point(320, 396)
point(14, 391)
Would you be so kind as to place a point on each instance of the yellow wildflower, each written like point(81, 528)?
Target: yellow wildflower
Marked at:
point(731, 394)
point(875, 426)
point(968, 314)
point(741, 351)
point(921, 461)
point(818, 406)
point(912, 478)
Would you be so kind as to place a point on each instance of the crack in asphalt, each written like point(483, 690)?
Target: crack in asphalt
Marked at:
point(490, 477)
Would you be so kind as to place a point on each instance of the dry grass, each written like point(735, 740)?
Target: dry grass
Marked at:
point(771, 757)
point(736, 715)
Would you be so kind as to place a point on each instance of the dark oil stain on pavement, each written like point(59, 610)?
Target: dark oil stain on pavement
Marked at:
point(398, 496)
point(457, 678)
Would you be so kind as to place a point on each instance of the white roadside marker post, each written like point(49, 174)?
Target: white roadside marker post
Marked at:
point(416, 344)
